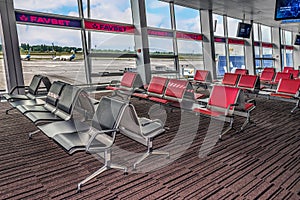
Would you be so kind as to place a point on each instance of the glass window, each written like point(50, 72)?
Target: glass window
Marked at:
point(219, 24)
point(255, 31)
point(257, 55)
point(221, 62)
point(110, 10)
point(232, 25)
point(161, 46)
point(236, 57)
point(158, 14)
point(69, 7)
point(187, 19)
point(267, 53)
point(190, 55)
point(288, 37)
point(266, 35)
point(52, 53)
point(289, 58)
point(112, 43)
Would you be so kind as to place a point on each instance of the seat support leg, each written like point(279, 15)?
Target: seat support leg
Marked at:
point(149, 152)
point(228, 128)
point(6, 112)
point(107, 165)
point(32, 133)
point(296, 107)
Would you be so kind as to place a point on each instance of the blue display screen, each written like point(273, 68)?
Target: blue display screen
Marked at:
point(244, 30)
point(287, 9)
point(297, 40)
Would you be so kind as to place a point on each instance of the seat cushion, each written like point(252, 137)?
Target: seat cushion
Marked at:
point(42, 116)
point(159, 100)
point(140, 95)
point(208, 112)
point(61, 127)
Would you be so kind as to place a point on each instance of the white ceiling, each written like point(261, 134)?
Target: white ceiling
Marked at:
point(260, 11)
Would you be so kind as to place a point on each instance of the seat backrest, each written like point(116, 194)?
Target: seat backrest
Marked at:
point(286, 69)
point(157, 85)
point(241, 71)
point(201, 75)
point(267, 75)
point(250, 82)
point(35, 84)
point(282, 75)
point(54, 92)
point(176, 88)
point(223, 96)
point(269, 69)
point(230, 79)
point(128, 79)
point(294, 72)
point(288, 86)
point(68, 98)
point(108, 113)
point(47, 83)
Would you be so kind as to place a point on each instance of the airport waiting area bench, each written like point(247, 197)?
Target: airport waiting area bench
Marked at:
point(130, 81)
point(34, 93)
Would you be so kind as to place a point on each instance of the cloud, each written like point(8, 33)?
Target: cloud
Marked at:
point(154, 4)
point(35, 35)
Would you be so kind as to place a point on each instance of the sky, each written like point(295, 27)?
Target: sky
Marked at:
point(158, 15)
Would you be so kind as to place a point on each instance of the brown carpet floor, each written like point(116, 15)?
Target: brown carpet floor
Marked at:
point(262, 162)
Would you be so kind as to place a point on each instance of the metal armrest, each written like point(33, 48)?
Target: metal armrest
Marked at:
point(93, 136)
point(252, 101)
point(17, 87)
point(228, 108)
point(155, 120)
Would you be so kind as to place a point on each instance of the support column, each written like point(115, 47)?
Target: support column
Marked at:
point(87, 63)
point(276, 38)
point(296, 52)
point(208, 42)
point(250, 53)
point(10, 41)
point(141, 39)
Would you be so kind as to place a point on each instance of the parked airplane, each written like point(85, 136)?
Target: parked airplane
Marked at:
point(65, 58)
point(26, 57)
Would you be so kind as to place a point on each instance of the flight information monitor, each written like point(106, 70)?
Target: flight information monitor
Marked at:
point(244, 30)
point(297, 40)
point(287, 9)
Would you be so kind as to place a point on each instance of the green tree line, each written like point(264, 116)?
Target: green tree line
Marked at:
point(42, 48)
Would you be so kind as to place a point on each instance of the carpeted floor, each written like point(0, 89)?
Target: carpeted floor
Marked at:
point(262, 162)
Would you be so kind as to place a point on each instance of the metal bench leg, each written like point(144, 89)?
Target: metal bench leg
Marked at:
point(107, 165)
point(296, 107)
point(149, 152)
point(9, 110)
point(228, 129)
point(32, 133)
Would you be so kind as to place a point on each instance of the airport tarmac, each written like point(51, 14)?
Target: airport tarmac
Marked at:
point(74, 71)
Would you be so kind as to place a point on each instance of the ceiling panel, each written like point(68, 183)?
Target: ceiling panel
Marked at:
point(260, 11)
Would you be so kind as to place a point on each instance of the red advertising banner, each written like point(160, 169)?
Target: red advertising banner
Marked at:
point(189, 36)
point(289, 47)
point(267, 45)
point(236, 41)
point(160, 33)
point(47, 20)
point(221, 40)
point(108, 27)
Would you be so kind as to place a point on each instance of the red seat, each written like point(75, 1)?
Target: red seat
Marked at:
point(269, 69)
point(156, 88)
point(241, 71)
point(281, 75)
point(286, 69)
point(294, 72)
point(267, 76)
point(249, 82)
point(222, 102)
point(230, 79)
point(202, 76)
point(288, 89)
point(126, 82)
